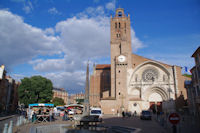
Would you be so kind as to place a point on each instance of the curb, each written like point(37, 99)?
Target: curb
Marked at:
point(6, 117)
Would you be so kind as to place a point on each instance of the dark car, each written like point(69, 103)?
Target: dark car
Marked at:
point(145, 115)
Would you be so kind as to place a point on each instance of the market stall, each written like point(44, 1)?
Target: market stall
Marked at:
point(41, 112)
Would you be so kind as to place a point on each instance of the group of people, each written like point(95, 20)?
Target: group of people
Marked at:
point(128, 114)
point(32, 113)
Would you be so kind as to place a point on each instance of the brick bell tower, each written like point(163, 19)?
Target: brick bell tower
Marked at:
point(121, 52)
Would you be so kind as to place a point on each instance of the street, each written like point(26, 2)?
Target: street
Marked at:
point(2, 122)
point(143, 126)
point(146, 126)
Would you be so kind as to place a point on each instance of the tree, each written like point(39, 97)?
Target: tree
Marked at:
point(36, 89)
point(79, 101)
point(187, 75)
point(58, 101)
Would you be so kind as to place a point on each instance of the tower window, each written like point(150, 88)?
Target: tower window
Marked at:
point(115, 25)
point(119, 14)
point(119, 25)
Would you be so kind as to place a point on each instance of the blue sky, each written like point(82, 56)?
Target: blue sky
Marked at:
point(55, 39)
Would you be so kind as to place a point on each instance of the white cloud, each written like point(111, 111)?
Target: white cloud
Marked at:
point(54, 11)
point(111, 5)
point(136, 43)
point(28, 7)
point(52, 65)
point(49, 31)
point(72, 81)
point(21, 42)
point(83, 37)
point(18, 77)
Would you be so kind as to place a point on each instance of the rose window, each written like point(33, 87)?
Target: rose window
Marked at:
point(150, 74)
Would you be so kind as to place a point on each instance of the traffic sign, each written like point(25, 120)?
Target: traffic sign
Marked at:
point(174, 118)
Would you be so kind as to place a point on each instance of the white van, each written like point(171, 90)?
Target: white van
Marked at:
point(96, 111)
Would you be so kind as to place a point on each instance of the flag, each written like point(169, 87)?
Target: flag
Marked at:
point(186, 69)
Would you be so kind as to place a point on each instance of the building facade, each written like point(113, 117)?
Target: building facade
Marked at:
point(60, 93)
point(195, 89)
point(132, 82)
point(76, 98)
point(9, 93)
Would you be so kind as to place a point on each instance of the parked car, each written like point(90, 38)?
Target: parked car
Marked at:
point(145, 115)
point(96, 112)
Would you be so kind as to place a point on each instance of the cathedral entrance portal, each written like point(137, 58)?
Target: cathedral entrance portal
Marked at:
point(155, 98)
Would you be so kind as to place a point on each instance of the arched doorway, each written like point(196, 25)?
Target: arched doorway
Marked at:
point(155, 96)
point(155, 102)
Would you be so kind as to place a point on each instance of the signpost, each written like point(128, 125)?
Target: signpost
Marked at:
point(174, 119)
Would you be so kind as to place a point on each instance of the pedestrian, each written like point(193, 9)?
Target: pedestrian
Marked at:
point(123, 114)
point(34, 117)
point(135, 113)
point(50, 115)
point(65, 116)
point(30, 115)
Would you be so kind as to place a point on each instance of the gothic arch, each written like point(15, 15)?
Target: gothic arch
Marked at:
point(131, 91)
point(155, 89)
point(152, 63)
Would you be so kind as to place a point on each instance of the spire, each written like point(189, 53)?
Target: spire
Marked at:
point(94, 69)
point(86, 101)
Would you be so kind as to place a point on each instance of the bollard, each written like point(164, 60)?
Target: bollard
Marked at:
point(17, 124)
point(23, 120)
point(20, 120)
point(10, 129)
point(5, 130)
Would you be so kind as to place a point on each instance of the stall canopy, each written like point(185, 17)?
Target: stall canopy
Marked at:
point(41, 105)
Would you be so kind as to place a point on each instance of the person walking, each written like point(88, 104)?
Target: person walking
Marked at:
point(123, 114)
point(50, 115)
point(135, 113)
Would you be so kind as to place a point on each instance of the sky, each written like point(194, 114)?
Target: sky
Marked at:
point(56, 39)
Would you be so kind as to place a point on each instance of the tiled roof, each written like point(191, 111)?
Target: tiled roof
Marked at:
point(103, 66)
point(197, 51)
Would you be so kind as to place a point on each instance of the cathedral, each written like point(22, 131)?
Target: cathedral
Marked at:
point(131, 82)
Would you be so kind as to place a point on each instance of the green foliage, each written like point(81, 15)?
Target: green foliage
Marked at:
point(58, 101)
point(187, 75)
point(36, 89)
point(79, 101)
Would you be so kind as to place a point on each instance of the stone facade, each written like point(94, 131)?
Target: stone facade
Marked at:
point(136, 83)
point(60, 93)
point(72, 99)
point(9, 94)
point(195, 90)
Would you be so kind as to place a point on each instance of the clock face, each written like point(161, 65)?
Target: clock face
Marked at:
point(121, 58)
